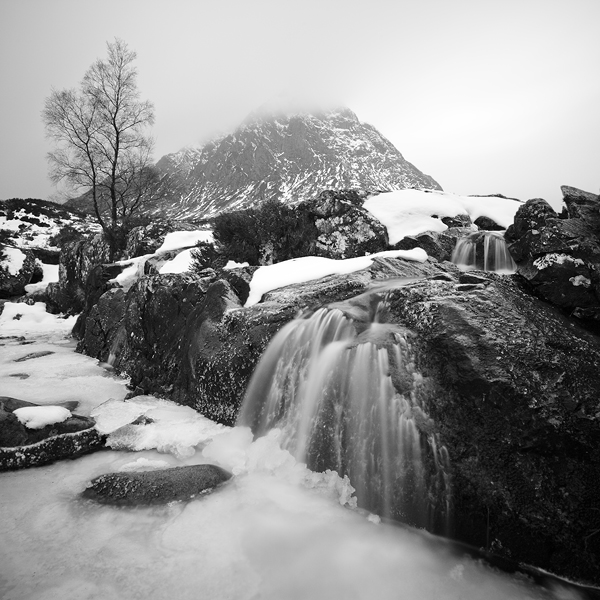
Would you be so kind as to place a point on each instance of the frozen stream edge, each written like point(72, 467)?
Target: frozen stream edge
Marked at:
point(276, 531)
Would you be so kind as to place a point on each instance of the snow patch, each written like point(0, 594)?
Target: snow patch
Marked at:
point(14, 260)
point(409, 212)
point(554, 258)
point(309, 268)
point(180, 264)
point(19, 318)
point(50, 276)
point(580, 280)
point(38, 417)
point(185, 239)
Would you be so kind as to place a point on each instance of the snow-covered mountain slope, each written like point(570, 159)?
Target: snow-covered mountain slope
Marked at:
point(32, 223)
point(291, 157)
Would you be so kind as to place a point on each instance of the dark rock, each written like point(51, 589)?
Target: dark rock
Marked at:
point(472, 278)
point(145, 488)
point(560, 257)
point(12, 285)
point(21, 447)
point(77, 259)
point(513, 389)
point(51, 449)
point(459, 221)
point(33, 355)
point(344, 228)
point(437, 245)
point(487, 224)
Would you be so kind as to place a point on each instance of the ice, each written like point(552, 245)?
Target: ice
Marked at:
point(166, 427)
point(235, 451)
point(408, 212)
point(14, 259)
point(180, 264)
point(144, 464)
point(275, 531)
point(308, 268)
point(184, 239)
point(38, 417)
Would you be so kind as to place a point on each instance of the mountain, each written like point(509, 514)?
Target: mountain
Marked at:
point(287, 155)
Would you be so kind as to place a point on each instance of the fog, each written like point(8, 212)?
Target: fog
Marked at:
point(485, 97)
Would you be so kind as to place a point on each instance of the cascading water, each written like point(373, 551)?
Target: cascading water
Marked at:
point(348, 400)
point(483, 250)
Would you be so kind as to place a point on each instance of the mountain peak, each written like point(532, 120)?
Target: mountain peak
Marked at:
point(291, 151)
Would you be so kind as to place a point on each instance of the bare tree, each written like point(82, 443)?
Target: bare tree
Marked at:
point(103, 149)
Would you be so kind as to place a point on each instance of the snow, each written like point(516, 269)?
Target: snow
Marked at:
point(408, 212)
point(14, 260)
point(180, 264)
point(18, 318)
point(185, 239)
point(231, 264)
point(308, 268)
point(38, 417)
point(50, 275)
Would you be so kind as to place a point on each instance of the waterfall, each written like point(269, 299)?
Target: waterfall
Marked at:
point(483, 250)
point(346, 396)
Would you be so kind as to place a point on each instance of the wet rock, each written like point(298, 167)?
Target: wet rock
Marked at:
point(145, 488)
point(512, 388)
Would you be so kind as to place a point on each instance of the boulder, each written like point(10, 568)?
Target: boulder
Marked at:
point(22, 447)
point(344, 228)
point(559, 256)
point(512, 387)
point(77, 259)
point(161, 486)
point(17, 269)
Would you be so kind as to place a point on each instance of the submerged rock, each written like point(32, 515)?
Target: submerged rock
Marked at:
point(145, 488)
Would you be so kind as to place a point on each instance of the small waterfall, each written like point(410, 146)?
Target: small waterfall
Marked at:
point(485, 251)
point(347, 398)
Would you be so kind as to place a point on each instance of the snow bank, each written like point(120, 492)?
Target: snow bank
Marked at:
point(308, 268)
point(19, 318)
point(50, 275)
point(38, 417)
point(14, 260)
point(185, 239)
point(180, 264)
point(409, 212)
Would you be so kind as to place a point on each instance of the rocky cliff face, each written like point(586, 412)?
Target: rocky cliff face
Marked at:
point(288, 157)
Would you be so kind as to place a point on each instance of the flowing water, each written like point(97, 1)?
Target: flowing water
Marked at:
point(276, 531)
point(483, 250)
point(349, 401)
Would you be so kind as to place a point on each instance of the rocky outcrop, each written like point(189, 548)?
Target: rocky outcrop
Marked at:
point(147, 488)
point(512, 387)
point(285, 155)
point(77, 259)
point(559, 255)
point(22, 447)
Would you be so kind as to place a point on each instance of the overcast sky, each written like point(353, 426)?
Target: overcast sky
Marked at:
point(486, 96)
